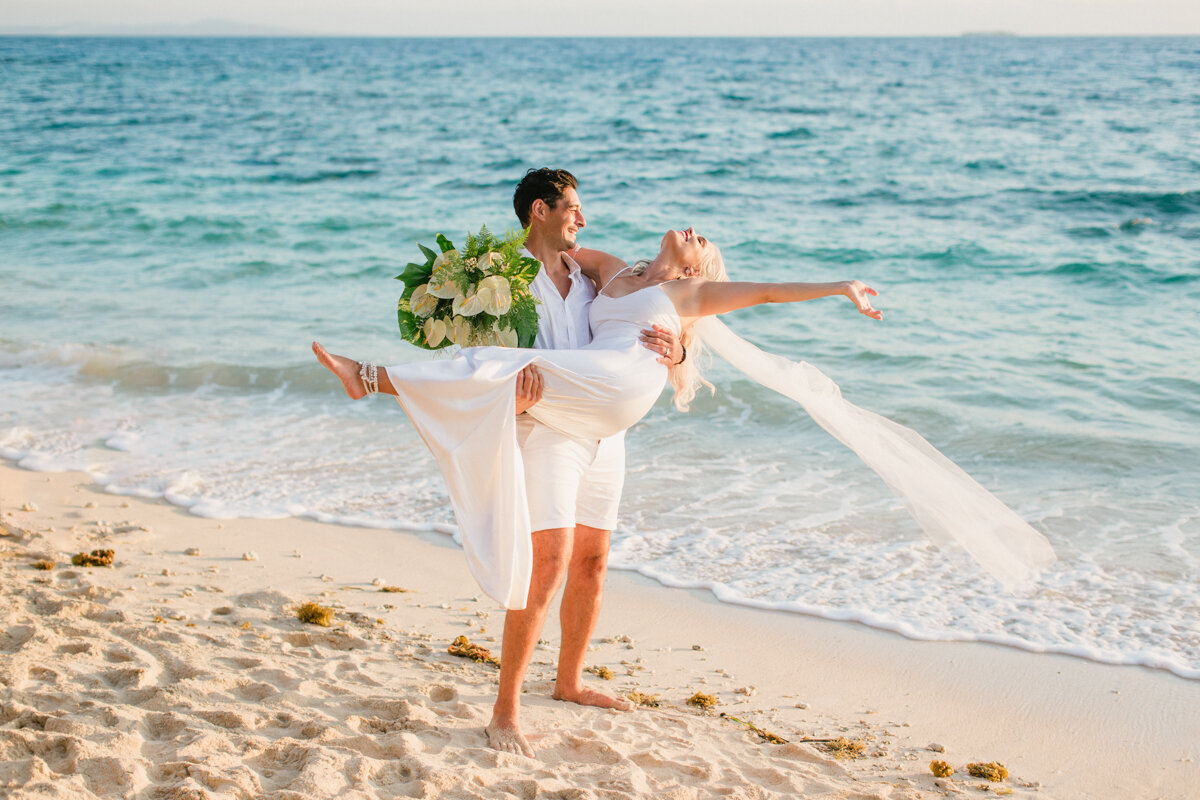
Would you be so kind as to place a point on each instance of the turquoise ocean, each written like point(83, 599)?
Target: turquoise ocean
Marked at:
point(179, 218)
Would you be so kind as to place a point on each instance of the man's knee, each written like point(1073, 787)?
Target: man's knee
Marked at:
point(589, 555)
point(551, 560)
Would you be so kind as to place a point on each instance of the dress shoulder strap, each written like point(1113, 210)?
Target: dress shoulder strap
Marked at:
point(610, 280)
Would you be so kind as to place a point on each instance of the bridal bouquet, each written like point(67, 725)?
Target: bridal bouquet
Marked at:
point(476, 296)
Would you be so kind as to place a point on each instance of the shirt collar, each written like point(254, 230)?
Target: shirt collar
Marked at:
point(573, 267)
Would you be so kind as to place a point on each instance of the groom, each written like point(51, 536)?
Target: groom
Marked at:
point(574, 486)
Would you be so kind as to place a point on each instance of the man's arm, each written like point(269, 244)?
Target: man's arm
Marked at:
point(597, 264)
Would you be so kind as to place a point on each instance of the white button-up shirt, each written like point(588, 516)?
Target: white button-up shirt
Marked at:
point(562, 321)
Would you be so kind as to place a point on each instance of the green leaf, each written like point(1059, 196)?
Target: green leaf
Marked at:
point(444, 243)
point(415, 275)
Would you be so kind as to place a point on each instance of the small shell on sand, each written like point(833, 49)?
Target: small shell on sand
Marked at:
point(89, 504)
point(192, 551)
point(935, 747)
point(749, 691)
point(249, 555)
point(377, 582)
point(29, 507)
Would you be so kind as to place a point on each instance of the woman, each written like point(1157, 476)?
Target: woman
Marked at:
point(465, 408)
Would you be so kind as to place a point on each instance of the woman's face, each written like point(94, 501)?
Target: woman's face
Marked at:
point(686, 247)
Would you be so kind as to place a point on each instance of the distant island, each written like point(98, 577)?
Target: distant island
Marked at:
point(206, 27)
point(988, 33)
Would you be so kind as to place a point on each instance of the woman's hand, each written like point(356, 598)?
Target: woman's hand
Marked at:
point(857, 291)
point(664, 342)
point(529, 388)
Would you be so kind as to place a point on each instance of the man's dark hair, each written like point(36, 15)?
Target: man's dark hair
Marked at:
point(543, 184)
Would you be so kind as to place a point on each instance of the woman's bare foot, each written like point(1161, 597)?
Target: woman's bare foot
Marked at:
point(346, 370)
point(505, 735)
point(590, 697)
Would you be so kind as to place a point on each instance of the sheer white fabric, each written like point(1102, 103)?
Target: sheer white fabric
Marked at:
point(945, 500)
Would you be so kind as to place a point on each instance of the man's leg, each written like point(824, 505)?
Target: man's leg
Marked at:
point(522, 629)
point(578, 614)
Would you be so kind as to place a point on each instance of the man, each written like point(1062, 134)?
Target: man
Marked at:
point(574, 486)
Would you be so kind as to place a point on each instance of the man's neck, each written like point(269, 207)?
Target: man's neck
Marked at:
point(548, 254)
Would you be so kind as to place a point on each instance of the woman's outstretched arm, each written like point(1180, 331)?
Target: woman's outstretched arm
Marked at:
point(696, 297)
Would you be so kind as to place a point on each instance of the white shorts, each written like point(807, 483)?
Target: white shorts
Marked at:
point(571, 481)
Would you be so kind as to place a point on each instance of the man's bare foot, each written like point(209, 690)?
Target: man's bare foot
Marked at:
point(590, 697)
point(506, 737)
point(346, 370)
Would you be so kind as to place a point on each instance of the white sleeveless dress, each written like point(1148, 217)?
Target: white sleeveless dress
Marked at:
point(465, 411)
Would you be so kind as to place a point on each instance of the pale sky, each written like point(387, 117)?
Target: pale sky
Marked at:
point(610, 17)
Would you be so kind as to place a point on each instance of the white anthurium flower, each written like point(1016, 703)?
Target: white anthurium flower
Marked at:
point(435, 331)
point(445, 258)
point(422, 303)
point(446, 290)
point(498, 299)
point(460, 331)
point(489, 261)
point(468, 305)
point(507, 336)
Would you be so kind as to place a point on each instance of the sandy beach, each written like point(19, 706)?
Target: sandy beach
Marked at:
point(182, 671)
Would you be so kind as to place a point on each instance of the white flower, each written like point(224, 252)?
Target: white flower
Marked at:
point(496, 295)
point(422, 303)
point(435, 331)
point(490, 260)
point(460, 331)
point(445, 258)
point(445, 289)
point(468, 304)
point(507, 336)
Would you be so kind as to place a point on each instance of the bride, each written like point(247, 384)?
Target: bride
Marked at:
point(465, 408)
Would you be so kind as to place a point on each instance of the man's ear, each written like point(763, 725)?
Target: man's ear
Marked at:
point(538, 209)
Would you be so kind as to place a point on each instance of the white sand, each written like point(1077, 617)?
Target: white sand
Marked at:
point(228, 695)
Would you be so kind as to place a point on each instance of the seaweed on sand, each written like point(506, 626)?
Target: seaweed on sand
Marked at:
point(702, 701)
point(842, 747)
point(315, 614)
point(96, 558)
point(765, 735)
point(991, 770)
point(940, 769)
point(644, 700)
point(603, 673)
point(464, 648)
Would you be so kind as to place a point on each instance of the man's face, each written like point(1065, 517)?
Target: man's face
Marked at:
point(564, 220)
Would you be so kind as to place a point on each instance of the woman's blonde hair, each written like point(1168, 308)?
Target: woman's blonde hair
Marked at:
point(686, 377)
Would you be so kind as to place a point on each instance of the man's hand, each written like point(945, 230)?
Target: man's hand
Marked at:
point(663, 341)
point(529, 388)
